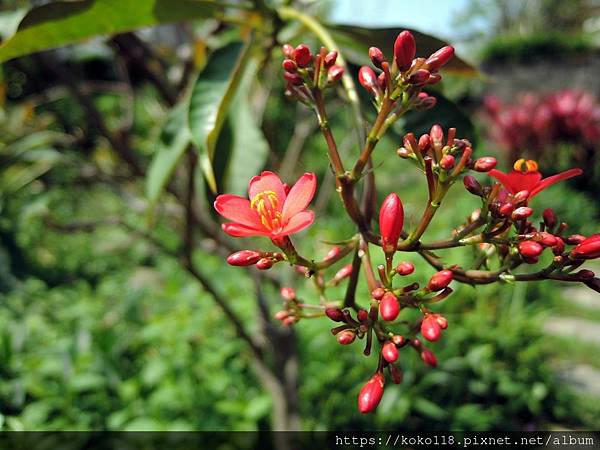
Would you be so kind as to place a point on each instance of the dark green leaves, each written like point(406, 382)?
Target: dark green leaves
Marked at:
point(211, 97)
point(61, 23)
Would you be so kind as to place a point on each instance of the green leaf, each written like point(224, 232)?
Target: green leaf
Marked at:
point(355, 41)
point(211, 97)
point(67, 22)
point(174, 139)
point(249, 148)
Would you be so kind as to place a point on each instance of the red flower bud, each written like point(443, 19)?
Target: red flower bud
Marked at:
point(334, 314)
point(293, 78)
point(472, 185)
point(302, 55)
point(549, 217)
point(395, 373)
point(344, 272)
point(506, 209)
point(332, 253)
point(546, 239)
point(439, 58)
point(585, 274)
point(522, 213)
point(244, 258)
point(440, 280)
point(485, 164)
point(288, 51)
point(281, 315)
point(376, 56)
point(362, 315)
point(381, 81)
point(398, 340)
point(367, 78)
point(575, 239)
point(520, 196)
point(424, 143)
point(389, 307)
point(588, 249)
point(378, 293)
point(447, 162)
point(405, 49)
point(289, 66)
point(391, 220)
point(288, 293)
point(346, 337)
point(371, 393)
point(437, 135)
point(434, 78)
point(265, 263)
point(559, 247)
point(425, 101)
point(405, 268)
point(430, 328)
point(335, 73)
point(389, 352)
point(530, 249)
point(429, 358)
point(419, 77)
point(441, 320)
point(330, 58)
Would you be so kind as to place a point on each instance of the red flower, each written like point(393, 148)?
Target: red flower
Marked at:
point(271, 211)
point(526, 177)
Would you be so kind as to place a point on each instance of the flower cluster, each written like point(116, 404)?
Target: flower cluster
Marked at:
point(536, 123)
point(501, 233)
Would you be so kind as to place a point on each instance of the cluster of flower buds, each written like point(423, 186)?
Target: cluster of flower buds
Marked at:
point(305, 72)
point(292, 310)
point(405, 78)
point(351, 328)
point(443, 158)
point(262, 260)
point(536, 123)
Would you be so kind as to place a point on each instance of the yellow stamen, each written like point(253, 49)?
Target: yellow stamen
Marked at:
point(266, 204)
point(525, 166)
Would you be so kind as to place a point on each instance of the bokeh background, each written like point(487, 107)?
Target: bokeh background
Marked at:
point(111, 295)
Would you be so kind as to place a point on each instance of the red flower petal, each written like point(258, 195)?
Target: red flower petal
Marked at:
point(300, 195)
point(237, 230)
point(297, 223)
point(502, 178)
point(238, 209)
point(267, 181)
point(555, 179)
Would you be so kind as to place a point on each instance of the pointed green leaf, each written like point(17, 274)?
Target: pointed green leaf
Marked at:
point(211, 97)
point(249, 148)
point(67, 22)
point(174, 139)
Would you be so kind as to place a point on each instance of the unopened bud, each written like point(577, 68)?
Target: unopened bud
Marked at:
point(522, 213)
point(293, 78)
point(439, 58)
point(472, 185)
point(585, 274)
point(362, 315)
point(447, 162)
point(376, 56)
point(430, 328)
point(391, 221)
point(546, 239)
point(265, 263)
point(405, 268)
point(244, 258)
point(389, 307)
point(289, 66)
point(287, 293)
point(559, 247)
point(530, 249)
point(288, 51)
point(549, 218)
point(429, 358)
point(333, 253)
point(485, 164)
point(281, 315)
point(335, 73)
point(395, 373)
point(437, 135)
point(378, 293)
point(506, 209)
point(330, 58)
point(302, 55)
point(440, 280)
point(398, 340)
point(334, 314)
point(520, 197)
point(419, 77)
point(389, 352)
point(405, 49)
point(424, 143)
point(589, 248)
point(367, 78)
point(344, 272)
point(575, 239)
point(346, 337)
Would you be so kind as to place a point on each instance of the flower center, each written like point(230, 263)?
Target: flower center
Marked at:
point(266, 204)
point(523, 165)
